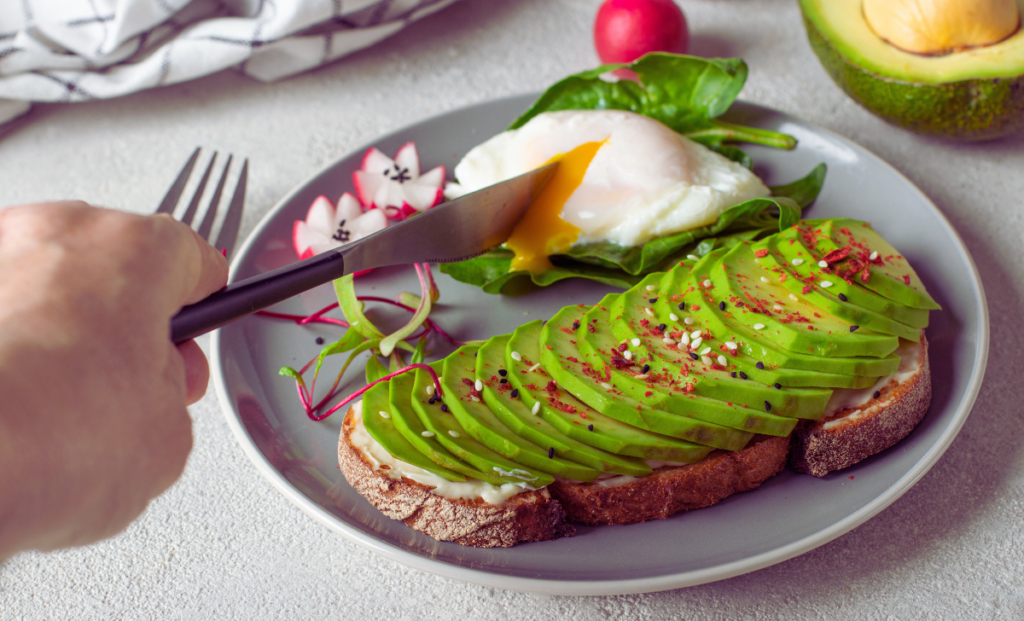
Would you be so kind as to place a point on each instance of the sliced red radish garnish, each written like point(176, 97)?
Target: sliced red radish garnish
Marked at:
point(396, 185)
point(327, 227)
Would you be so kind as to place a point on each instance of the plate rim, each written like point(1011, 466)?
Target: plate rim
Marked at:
point(622, 586)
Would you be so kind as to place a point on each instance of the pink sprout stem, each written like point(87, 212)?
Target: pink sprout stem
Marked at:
point(359, 393)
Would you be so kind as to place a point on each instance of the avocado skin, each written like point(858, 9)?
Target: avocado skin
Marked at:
point(968, 110)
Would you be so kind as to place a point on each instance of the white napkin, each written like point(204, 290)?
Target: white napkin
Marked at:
point(76, 50)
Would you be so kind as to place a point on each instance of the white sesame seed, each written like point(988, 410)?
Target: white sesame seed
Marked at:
point(427, 434)
point(695, 334)
point(794, 298)
point(758, 326)
point(688, 321)
point(606, 385)
point(384, 414)
point(722, 360)
point(705, 351)
point(516, 356)
point(478, 385)
point(628, 355)
point(696, 343)
point(535, 408)
point(707, 283)
point(673, 317)
point(822, 263)
point(640, 376)
point(649, 311)
point(474, 398)
point(874, 255)
point(668, 341)
point(534, 367)
point(685, 339)
point(705, 360)
point(731, 345)
point(797, 261)
point(453, 433)
point(635, 342)
point(826, 284)
point(651, 287)
point(778, 307)
point(765, 279)
point(693, 257)
point(430, 389)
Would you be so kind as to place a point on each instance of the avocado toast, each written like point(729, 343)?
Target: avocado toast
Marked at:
point(695, 384)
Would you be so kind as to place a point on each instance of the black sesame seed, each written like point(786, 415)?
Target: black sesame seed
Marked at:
point(760, 365)
point(733, 374)
point(842, 297)
point(590, 427)
point(431, 401)
point(514, 393)
point(854, 328)
point(721, 306)
point(502, 372)
point(319, 340)
point(767, 407)
point(475, 353)
point(662, 327)
point(739, 304)
point(645, 368)
point(653, 300)
point(551, 452)
point(694, 356)
point(682, 306)
point(778, 385)
point(444, 407)
point(503, 381)
point(743, 375)
point(576, 325)
point(877, 394)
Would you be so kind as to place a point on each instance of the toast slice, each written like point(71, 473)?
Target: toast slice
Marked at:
point(857, 424)
point(528, 515)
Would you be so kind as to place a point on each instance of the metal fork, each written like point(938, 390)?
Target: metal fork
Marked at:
point(232, 219)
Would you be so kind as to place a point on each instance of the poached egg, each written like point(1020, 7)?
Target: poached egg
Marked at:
point(623, 178)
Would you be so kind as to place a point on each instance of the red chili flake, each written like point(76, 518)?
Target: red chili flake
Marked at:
point(573, 359)
point(648, 393)
point(763, 252)
point(566, 330)
point(690, 387)
point(906, 279)
point(620, 363)
point(552, 386)
point(468, 382)
point(622, 347)
point(837, 255)
point(644, 323)
point(695, 307)
point(851, 477)
point(865, 274)
point(817, 315)
point(783, 277)
point(590, 327)
point(805, 290)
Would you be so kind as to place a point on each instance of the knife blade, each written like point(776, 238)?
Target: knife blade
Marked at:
point(452, 231)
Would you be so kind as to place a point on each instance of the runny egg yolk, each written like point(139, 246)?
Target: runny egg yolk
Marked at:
point(542, 232)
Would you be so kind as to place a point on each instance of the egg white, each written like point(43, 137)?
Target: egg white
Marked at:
point(646, 181)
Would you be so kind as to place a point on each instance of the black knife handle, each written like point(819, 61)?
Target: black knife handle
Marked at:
point(252, 294)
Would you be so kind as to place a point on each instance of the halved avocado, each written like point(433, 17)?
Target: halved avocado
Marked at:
point(975, 94)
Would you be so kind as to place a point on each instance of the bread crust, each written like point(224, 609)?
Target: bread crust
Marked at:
point(528, 516)
point(818, 451)
point(672, 489)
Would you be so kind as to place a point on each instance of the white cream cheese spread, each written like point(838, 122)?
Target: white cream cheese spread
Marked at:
point(377, 456)
point(853, 399)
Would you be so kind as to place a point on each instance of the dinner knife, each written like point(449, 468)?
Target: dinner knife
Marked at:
point(452, 231)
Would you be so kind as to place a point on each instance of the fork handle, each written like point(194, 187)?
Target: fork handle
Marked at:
point(253, 294)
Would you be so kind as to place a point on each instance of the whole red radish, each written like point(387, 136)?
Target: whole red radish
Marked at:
point(627, 29)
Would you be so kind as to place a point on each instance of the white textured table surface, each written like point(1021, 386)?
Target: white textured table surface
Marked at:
point(222, 543)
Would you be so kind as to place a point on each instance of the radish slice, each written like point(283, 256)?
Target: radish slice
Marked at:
point(327, 227)
point(396, 185)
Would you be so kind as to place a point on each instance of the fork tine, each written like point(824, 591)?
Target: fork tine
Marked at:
point(194, 203)
point(229, 230)
point(211, 210)
point(174, 192)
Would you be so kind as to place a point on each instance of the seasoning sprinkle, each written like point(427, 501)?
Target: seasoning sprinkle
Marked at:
point(590, 427)
point(694, 356)
point(668, 341)
point(502, 380)
point(474, 398)
point(478, 385)
point(688, 321)
point(534, 367)
point(662, 327)
point(778, 386)
point(760, 365)
point(649, 311)
point(576, 325)
point(693, 257)
point(444, 407)
point(707, 283)
point(628, 355)
point(767, 407)
point(822, 263)
point(682, 306)
point(721, 306)
point(765, 279)
point(877, 394)
point(606, 385)
point(673, 317)
point(516, 356)
point(797, 262)
point(635, 342)
point(551, 452)
point(874, 255)
point(706, 360)
point(645, 368)
point(696, 343)
point(842, 297)
point(794, 298)
point(427, 434)
point(685, 339)
point(722, 360)
point(759, 326)
point(854, 328)
point(651, 287)
point(432, 401)
point(502, 372)
point(743, 375)
point(535, 408)
point(826, 284)
point(731, 345)
point(733, 374)
point(641, 376)
point(319, 340)
point(705, 351)
point(453, 433)
point(695, 334)
point(430, 389)
point(778, 307)
point(652, 300)
point(384, 414)
point(515, 393)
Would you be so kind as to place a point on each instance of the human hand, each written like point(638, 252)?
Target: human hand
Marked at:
point(93, 394)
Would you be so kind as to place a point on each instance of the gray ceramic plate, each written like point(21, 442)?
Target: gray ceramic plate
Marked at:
point(788, 515)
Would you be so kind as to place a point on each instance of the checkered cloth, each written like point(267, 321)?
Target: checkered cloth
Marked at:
point(76, 50)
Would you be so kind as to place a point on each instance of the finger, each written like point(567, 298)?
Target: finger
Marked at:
point(197, 371)
point(202, 269)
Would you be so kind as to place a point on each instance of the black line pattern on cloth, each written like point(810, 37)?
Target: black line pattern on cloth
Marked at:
point(167, 8)
point(7, 52)
point(26, 8)
point(85, 21)
point(379, 12)
point(8, 35)
point(165, 64)
point(103, 24)
point(71, 87)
